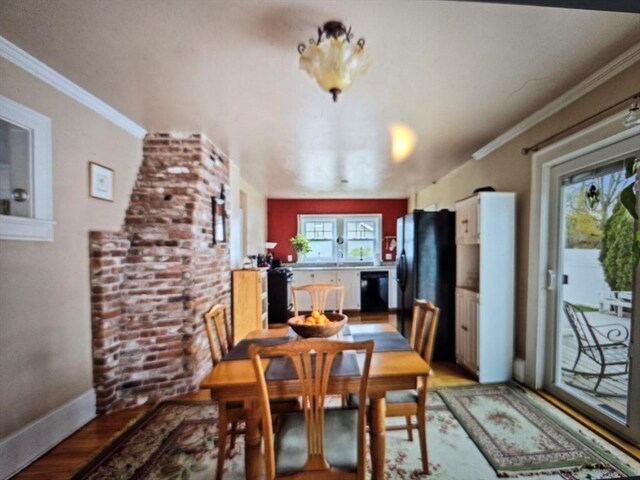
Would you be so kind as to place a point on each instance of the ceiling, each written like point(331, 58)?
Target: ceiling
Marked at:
point(458, 73)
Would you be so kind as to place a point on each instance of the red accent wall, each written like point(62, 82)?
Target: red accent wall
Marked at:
point(282, 220)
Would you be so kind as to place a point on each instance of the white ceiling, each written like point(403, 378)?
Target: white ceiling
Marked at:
point(459, 73)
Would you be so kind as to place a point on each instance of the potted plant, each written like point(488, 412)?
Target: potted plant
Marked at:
point(300, 244)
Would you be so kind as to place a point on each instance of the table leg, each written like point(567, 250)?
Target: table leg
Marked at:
point(377, 438)
point(253, 440)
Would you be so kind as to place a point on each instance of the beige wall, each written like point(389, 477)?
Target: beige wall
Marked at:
point(256, 219)
point(45, 334)
point(256, 212)
point(507, 170)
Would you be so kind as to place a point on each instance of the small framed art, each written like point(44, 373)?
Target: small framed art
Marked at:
point(219, 215)
point(100, 182)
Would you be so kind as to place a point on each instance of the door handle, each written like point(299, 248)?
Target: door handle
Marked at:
point(551, 279)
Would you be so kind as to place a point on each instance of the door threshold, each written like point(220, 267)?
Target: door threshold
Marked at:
point(624, 445)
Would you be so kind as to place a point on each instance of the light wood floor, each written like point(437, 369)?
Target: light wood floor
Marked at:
point(65, 459)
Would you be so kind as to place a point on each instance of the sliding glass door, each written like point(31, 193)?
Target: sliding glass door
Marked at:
point(592, 289)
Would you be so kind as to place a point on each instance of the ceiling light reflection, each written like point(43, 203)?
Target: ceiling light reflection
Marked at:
point(403, 141)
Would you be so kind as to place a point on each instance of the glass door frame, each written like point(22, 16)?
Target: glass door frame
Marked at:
point(631, 428)
point(595, 137)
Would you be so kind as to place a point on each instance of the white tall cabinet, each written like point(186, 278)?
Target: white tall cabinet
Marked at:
point(485, 290)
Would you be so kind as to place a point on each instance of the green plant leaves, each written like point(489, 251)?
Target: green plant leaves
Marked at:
point(628, 199)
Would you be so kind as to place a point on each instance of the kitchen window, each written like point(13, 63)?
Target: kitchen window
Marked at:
point(342, 238)
point(321, 233)
point(361, 237)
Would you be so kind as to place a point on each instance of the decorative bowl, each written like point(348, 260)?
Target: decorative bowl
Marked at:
point(336, 322)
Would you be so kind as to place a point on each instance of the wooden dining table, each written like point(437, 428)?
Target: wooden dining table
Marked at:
point(235, 380)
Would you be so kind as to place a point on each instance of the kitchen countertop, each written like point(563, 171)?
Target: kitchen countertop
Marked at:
point(310, 266)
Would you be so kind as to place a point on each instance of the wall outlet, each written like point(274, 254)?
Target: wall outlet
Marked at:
point(388, 256)
point(289, 258)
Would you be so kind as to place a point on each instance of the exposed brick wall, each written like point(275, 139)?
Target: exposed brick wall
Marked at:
point(152, 281)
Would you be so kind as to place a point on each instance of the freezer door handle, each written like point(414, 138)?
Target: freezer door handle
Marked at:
point(401, 271)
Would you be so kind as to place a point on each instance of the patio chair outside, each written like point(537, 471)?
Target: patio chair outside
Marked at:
point(606, 345)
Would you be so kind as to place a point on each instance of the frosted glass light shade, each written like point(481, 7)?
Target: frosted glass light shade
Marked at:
point(334, 64)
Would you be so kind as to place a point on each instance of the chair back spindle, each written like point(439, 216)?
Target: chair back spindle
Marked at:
point(312, 360)
point(319, 293)
point(218, 332)
point(423, 328)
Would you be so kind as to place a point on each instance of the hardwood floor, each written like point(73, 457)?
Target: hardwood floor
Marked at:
point(66, 458)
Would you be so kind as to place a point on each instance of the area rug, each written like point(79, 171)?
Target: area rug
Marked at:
point(176, 440)
point(518, 436)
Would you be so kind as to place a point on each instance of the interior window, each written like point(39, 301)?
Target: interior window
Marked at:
point(15, 170)
point(26, 187)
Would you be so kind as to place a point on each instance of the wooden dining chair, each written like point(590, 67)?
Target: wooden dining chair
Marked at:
point(316, 442)
point(220, 342)
point(319, 293)
point(410, 403)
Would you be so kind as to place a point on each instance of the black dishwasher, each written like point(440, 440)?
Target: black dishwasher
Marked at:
point(374, 291)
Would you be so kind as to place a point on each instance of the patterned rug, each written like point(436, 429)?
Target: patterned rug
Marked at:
point(176, 440)
point(517, 436)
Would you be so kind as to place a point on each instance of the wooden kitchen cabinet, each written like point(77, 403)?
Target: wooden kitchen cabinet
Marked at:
point(250, 302)
point(485, 285)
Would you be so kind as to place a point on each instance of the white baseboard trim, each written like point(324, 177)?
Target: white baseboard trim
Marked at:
point(24, 446)
point(518, 370)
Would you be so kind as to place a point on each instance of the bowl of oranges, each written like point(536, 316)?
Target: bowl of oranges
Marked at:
point(318, 324)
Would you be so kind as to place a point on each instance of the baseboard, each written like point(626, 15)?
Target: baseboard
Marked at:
point(518, 370)
point(22, 447)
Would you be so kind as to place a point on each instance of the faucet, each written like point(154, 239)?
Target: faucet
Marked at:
point(340, 258)
point(360, 253)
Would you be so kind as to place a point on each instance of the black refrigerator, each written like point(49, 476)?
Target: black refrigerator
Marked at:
point(426, 269)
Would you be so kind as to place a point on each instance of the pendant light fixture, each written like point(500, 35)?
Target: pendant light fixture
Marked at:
point(332, 60)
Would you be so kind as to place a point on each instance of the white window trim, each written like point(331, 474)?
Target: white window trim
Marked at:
point(303, 218)
point(377, 234)
point(40, 227)
point(339, 220)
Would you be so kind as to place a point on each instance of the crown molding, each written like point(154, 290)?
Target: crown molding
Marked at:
point(43, 72)
point(610, 70)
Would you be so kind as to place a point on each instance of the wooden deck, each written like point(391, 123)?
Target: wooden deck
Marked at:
point(611, 397)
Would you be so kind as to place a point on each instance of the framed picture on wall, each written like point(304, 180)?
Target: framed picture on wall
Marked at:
point(218, 215)
point(100, 182)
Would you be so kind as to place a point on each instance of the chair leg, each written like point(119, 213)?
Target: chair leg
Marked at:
point(223, 424)
point(422, 433)
point(409, 428)
point(575, 364)
point(602, 368)
point(232, 442)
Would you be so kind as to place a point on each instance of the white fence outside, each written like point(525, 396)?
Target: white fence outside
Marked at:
point(586, 278)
